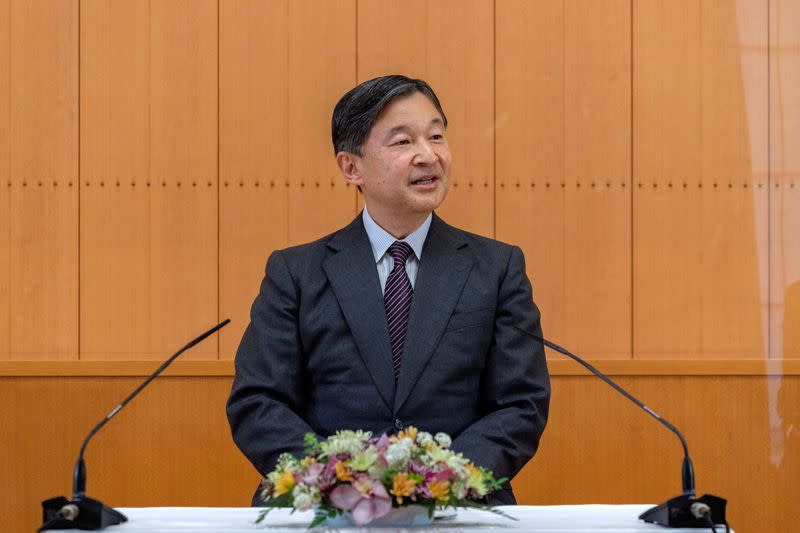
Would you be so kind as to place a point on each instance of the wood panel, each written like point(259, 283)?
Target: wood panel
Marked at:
point(322, 67)
point(43, 168)
point(183, 162)
point(171, 446)
point(563, 145)
point(149, 167)
point(614, 454)
point(454, 52)
point(529, 147)
point(784, 205)
point(699, 223)
point(607, 454)
point(253, 152)
point(733, 224)
point(556, 367)
point(597, 203)
point(116, 186)
point(5, 179)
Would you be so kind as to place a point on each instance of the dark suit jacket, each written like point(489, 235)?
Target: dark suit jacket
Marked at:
point(316, 355)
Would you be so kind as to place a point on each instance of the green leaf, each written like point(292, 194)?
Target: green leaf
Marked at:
point(484, 507)
point(262, 515)
point(284, 500)
point(319, 518)
point(322, 513)
point(311, 442)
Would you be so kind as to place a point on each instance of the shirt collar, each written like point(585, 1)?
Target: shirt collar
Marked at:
point(380, 239)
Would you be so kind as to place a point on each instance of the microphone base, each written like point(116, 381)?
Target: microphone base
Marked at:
point(91, 515)
point(676, 512)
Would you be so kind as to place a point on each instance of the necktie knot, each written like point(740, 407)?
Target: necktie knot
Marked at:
point(400, 251)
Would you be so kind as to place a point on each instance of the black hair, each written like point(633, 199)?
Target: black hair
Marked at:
point(359, 109)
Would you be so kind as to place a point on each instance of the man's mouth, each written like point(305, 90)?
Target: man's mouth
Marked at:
point(424, 180)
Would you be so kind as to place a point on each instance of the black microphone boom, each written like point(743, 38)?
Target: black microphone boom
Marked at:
point(682, 511)
point(84, 512)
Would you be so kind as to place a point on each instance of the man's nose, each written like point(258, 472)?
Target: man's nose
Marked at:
point(426, 155)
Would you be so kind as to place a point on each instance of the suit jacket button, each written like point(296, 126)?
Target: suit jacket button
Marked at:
point(398, 424)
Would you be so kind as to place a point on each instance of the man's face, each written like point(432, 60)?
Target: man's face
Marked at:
point(404, 170)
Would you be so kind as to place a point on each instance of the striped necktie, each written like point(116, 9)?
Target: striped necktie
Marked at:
point(397, 300)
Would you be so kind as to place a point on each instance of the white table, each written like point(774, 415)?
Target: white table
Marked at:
point(556, 518)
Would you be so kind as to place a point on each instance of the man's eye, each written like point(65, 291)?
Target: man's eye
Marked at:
point(437, 137)
point(402, 141)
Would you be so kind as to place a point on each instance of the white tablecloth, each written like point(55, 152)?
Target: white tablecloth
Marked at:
point(556, 518)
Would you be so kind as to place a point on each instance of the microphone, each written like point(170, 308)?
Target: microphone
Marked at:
point(685, 510)
point(84, 512)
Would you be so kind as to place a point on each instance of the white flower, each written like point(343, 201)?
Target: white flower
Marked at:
point(302, 502)
point(305, 497)
point(457, 462)
point(459, 489)
point(424, 438)
point(454, 460)
point(443, 439)
point(350, 442)
point(398, 454)
point(361, 461)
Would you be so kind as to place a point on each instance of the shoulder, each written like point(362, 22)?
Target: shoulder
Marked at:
point(484, 248)
point(312, 254)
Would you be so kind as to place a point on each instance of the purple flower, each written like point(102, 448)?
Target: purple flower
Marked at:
point(312, 473)
point(365, 507)
point(382, 444)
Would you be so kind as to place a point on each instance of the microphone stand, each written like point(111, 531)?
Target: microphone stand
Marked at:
point(83, 512)
point(685, 510)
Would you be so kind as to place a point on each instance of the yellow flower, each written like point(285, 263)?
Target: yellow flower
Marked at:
point(475, 480)
point(439, 490)
point(474, 472)
point(284, 484)
point(342, 473)
point(305, 462)
point(402, 486)
point(410, 432)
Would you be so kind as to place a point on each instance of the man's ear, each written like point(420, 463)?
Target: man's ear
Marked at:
point(350, 165)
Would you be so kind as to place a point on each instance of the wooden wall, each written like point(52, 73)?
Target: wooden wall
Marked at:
point(645, 154)
point(172, 445)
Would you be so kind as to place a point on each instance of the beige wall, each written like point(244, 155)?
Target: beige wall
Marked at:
point(643, 154)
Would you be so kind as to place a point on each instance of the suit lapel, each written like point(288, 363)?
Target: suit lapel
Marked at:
point(443, 270)
point(354, 278)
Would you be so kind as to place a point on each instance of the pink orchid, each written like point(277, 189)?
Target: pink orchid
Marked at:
point(382, 444)
point(364, 508)
point(312, 473)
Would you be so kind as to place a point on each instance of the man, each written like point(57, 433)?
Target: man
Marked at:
point(397, 319)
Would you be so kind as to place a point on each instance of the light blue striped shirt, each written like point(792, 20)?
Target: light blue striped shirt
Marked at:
point(380, 239)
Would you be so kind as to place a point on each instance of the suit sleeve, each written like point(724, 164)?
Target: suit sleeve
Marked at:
point(515, 386)
point(268, 393)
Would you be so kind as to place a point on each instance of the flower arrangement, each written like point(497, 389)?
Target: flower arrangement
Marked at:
point(352, 471)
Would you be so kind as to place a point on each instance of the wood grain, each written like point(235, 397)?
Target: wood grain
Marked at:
point(597, 163)
point(43, 169)
point(454, 54)
point(784, 179)
point(320, 201)
point(115, 188)
point(557, 367)
point(5, 181)
point(699, 220)
point(184, 208)
point(171, 446)
point(253, 152)
point(563, 146)
point(529, 121)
